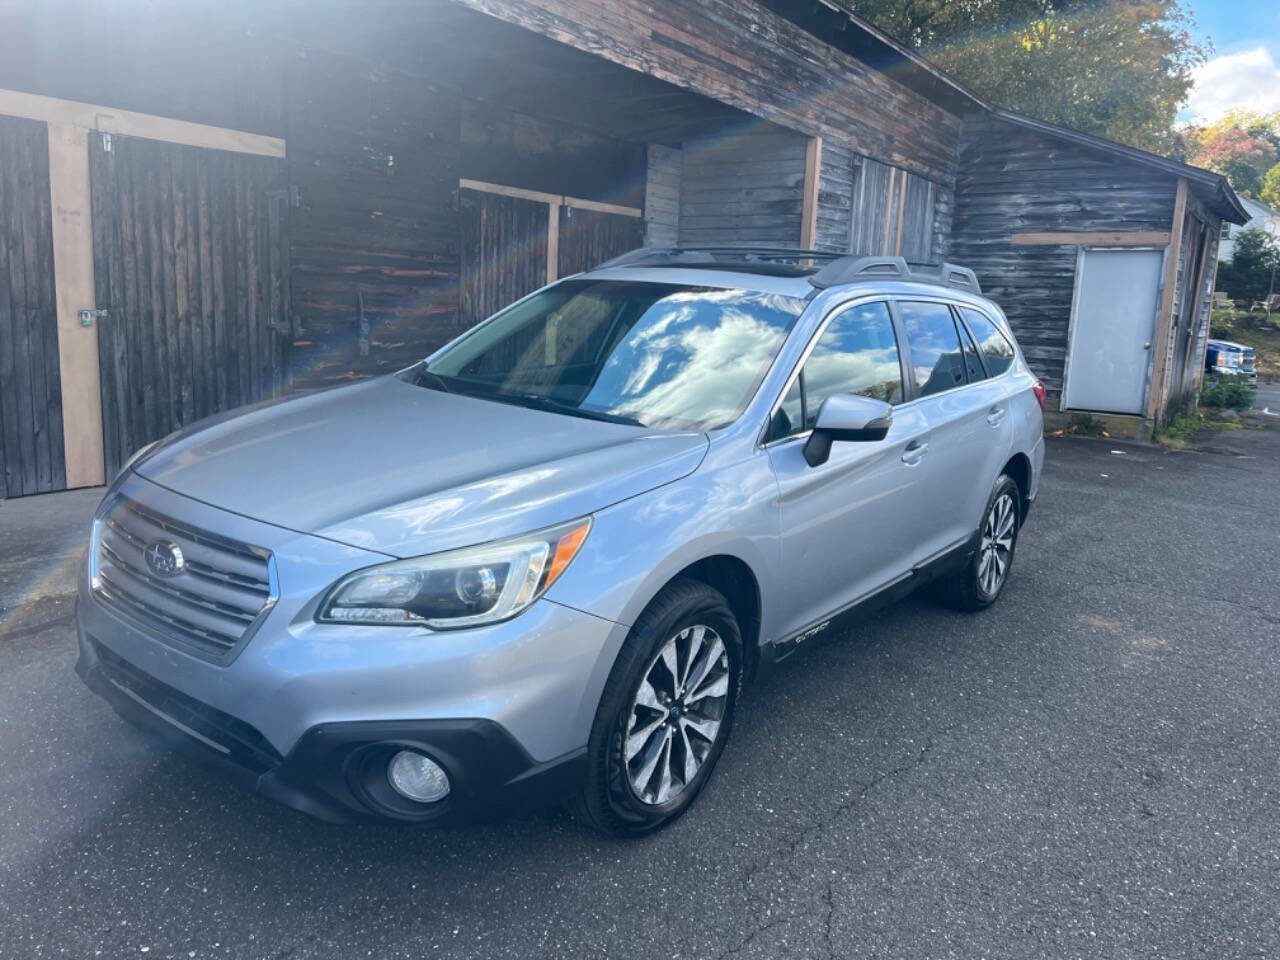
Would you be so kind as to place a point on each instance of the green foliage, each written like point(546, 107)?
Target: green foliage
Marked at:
point(1226, 392)
point(1270, 194)
point(1247, 275)
point(1086, 425)
point(1115, 68)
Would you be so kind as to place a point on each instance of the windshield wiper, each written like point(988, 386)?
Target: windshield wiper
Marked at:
point(436, 381)
point(541, 402)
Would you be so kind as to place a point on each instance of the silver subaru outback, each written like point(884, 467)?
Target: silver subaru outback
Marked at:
point(541, 563)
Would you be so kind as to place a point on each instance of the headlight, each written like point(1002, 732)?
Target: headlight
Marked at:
point(460, 588)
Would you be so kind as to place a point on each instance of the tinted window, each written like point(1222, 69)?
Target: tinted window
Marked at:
point(994, 344)
point(657, 354)
point(857, 353)
point(935, 349)
point(972, 365)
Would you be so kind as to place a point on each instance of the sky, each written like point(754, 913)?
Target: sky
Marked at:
point(1244, 69)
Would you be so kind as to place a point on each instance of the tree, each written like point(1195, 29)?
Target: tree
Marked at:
point(1270, 194)
point(1247, 275)
point(1241, 146)
point(1115, 68)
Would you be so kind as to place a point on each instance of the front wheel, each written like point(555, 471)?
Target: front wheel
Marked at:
point(665, 713)
point(978, 584)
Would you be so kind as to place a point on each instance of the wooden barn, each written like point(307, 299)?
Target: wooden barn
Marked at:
point(205, 204)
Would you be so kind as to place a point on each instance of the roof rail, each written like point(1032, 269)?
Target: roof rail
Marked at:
point(693, 256)
point(851, 269)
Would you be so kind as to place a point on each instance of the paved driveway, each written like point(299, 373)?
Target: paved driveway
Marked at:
point(1090, 769)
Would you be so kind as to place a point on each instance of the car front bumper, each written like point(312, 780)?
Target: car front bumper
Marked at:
point(305, 711)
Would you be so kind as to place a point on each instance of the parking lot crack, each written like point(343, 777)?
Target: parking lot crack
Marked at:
point(787, 848)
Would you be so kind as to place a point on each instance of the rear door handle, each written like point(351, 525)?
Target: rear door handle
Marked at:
point(995, 415)
point(914, 452)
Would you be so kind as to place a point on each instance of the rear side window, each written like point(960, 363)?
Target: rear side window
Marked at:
point(857, 353)
point(936, 359)
point(995, 346)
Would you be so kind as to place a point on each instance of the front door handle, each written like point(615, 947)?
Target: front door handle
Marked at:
point(995, 415)
point(914, 452)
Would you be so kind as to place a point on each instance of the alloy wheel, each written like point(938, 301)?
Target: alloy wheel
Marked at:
point(996, 548)
point(676, 714)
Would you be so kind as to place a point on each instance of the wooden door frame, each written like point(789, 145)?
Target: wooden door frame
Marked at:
point(554, 202)
point(69, 124)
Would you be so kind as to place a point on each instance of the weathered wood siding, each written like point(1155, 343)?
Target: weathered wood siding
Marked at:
point(745, 55)
point(835, 198)
point(374, 161)
point(504, 253)
point(1014, 180)
point(31, 451)
point(662, 196)
point(743, 187)
point(518, 150)
point(191, 263)
point(892, 212)
point(588, 238)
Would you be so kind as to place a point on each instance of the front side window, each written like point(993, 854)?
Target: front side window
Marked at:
point(856, 353)
point(995, 346)
point(655, 354)
point(936, 359)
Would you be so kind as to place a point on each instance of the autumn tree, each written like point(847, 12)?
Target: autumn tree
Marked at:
point(1242, 146)
point(1116, 68)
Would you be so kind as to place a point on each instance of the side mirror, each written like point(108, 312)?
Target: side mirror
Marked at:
point(846, 416)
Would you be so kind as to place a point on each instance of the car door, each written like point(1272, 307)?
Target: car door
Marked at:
point(848, 526)
point(967, 418)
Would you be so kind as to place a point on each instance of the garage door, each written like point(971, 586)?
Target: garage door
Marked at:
point(190, 263)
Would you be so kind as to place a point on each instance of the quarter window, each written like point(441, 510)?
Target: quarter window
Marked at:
point(857, 353)
point(936, 359)
point(995, 346)
point(972, 363)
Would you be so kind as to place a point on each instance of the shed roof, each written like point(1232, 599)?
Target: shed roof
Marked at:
point(830, 20)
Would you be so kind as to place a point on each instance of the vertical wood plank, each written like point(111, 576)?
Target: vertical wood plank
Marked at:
point(20, 185)
point(10, 484)
point(1159, 378)
point(553, 241)
point(809, 201)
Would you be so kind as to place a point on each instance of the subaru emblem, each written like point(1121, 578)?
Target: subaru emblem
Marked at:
point(164, 558)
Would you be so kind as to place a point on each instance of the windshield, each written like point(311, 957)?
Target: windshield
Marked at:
point(655, 354)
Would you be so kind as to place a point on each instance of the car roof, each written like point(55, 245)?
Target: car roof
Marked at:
point(1229, 344)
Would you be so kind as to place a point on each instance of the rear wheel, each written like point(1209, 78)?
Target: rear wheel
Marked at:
point(979, 582)
point(665, 713)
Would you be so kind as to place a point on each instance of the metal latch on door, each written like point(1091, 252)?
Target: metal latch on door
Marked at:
point(88, 316)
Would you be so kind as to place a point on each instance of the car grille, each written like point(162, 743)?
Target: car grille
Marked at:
point(208, 607)
point(234, 739)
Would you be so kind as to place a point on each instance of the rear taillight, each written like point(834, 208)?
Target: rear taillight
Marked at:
point(1038, 390)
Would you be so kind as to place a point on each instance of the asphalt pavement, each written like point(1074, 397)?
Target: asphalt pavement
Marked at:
point(1089, 769)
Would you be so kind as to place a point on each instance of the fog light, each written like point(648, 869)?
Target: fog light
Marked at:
point(417, 777)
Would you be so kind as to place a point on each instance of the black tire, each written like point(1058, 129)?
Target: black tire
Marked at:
point(609, 801)
point(964, 590)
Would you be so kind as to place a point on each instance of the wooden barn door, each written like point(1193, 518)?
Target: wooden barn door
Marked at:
point(892, 212)
point(504, 252)
point(588, 238)
point(191, 265)
point(31, 450)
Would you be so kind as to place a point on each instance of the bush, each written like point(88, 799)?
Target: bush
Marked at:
point(1227, 392)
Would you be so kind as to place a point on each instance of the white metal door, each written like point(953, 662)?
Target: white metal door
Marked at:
point(1113, 321)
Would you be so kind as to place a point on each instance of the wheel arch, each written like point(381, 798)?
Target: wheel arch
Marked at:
point(1018, 468)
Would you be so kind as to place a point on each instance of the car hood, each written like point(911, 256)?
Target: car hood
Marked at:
point(404, 470)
